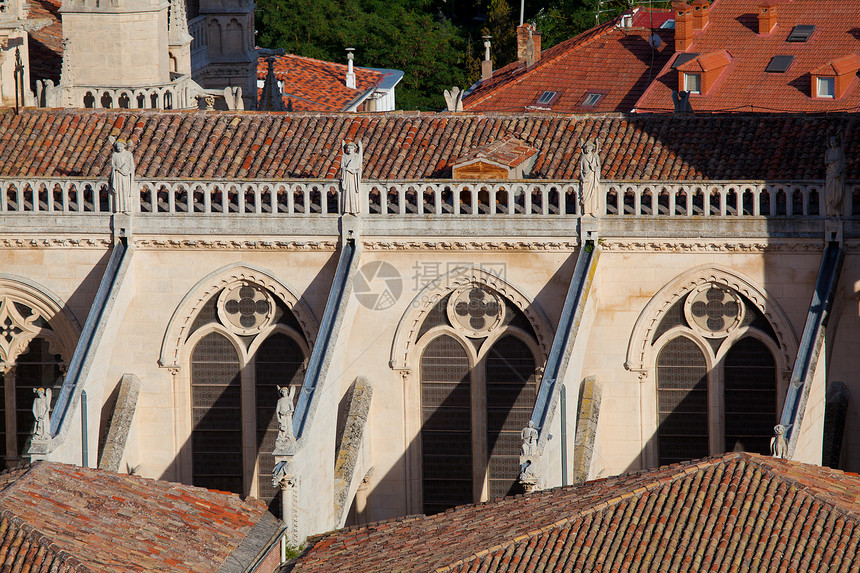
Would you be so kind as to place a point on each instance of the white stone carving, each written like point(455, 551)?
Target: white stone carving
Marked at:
point(245, 308)
point(778, 443)
point(405, 336)
point(834, 190)
point(713, 310)
point(42, 413)
point(285, 443)
point(351, 165)
point(454, 99)
point(640, 356)
point(122, 177)
point(589, 176)
point(530, 471)
point(475, 311)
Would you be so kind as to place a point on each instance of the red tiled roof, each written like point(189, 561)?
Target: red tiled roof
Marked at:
point(619, 62)
point(222, 145)
point(839, 66)
point(56, 517)
point(707, 62)
point(508, 151)
point(46, 44)
point(740, 511)
point(744, 85)
point(316, 85)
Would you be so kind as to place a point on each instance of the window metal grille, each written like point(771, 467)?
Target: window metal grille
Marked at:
point(511, 390)
point(750, 397)
point(682, 402)
point(216, 397)
point(446, 435)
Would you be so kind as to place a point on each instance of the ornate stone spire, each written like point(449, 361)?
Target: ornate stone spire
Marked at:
point(271, 100)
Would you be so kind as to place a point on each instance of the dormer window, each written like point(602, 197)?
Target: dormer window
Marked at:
point(592, 98)
point(826, 87)
point(800, 33)
point(546, 98)
point(693, 83)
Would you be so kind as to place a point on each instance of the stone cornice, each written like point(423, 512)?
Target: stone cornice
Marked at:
point(704, 246)
point(465, 245)
point(233, 244)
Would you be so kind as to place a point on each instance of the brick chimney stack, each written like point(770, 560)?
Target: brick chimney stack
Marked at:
point(683, 26)
point(487, 63)
point(528, 44)
point(766, 16)
point(701, 13)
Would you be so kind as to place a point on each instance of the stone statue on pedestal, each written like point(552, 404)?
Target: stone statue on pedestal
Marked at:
point(285, 441)
point(529, 458)
point(42, 412)
point(122, 176)
point(589, 177)
point(350, 177)
point(834, 189)
point(778, 444)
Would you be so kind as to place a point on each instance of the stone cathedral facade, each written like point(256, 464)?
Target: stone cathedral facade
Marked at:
point(455, 340)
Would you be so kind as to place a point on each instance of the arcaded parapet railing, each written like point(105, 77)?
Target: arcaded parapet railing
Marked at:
point(431, 197)
point(720, 199)
point(180, 93)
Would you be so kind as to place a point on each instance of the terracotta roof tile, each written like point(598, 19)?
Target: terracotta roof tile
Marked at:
point(739, 511)
point(46, 44)
point(745, 86)
point(74, 143)
point(581, 65)
point(317, 85)
point(55, 517)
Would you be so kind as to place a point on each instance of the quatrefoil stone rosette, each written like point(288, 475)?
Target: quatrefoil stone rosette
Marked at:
point(474, 311)
point(714, 310)
point(245, 308)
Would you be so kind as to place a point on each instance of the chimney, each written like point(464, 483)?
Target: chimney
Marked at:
point(528, 44)
point(350, 74)
point(487, 64)
point(683, 26)
point(701, 12)
point(766, 16)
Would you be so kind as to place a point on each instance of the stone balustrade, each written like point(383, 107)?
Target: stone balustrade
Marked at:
point(432, 197)
point(180, 93)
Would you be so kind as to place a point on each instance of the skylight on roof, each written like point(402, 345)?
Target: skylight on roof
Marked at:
point(592, 98)
point(801, 33)
point(668, 25)
point(683, 58)
point(779, 64)
point(546, 97)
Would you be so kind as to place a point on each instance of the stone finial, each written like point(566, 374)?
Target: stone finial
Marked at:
point(778, 444)
point(530, 459)
point(589, 177)
point(285, 443)
point(351, 163)
point(42, 413)
point(177, 26)
point(271, 99)
point(66, 76)
point(454, 99)
point(834, 189)
point(122, 176)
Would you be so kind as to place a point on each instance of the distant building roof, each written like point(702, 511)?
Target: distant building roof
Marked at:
point(46, 44)
point(413, 145)
point(316, 85)
point(56, 517)
point(745, 85)
point(611, 61)
point(743, 511)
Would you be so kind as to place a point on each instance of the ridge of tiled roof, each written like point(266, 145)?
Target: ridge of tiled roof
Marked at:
point(700, 516)
point(746, 86)
point(317, 85)
point(574, 67)
point(420, 145)
point(80, 519)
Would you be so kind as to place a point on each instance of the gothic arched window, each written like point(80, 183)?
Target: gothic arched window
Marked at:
point(478, 371)
point(244, 343)
point(730, 405)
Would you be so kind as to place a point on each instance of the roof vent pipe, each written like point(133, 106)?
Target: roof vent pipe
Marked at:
point(350, 74)
point(487, 63)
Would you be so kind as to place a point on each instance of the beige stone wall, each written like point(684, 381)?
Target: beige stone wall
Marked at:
point(127, 47)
